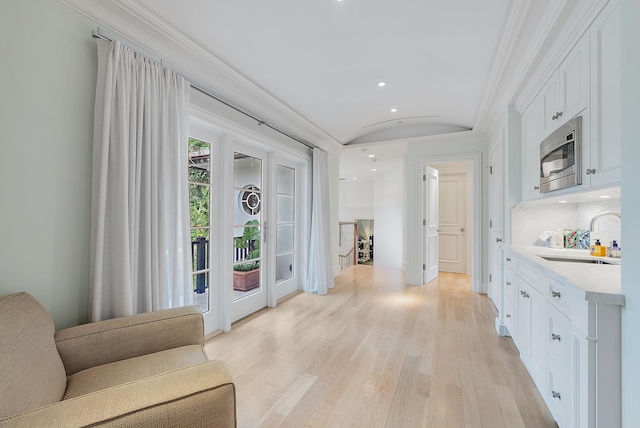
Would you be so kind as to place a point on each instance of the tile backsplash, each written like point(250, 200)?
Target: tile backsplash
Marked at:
point(530, 219)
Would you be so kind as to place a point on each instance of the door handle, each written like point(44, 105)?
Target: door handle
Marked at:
point(438, 230)
point(498, 240)
point(462, 229)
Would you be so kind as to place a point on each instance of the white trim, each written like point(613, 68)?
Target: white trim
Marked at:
point(476, 202)
point(336, 271)
point(137, 25)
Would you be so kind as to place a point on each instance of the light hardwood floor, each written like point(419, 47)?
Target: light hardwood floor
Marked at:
point(375, 352)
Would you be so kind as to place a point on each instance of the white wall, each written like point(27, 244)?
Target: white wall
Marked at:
point(530, 219)
point(630, 132)
point(47, 89)
point(356, 200)
point(388, 214)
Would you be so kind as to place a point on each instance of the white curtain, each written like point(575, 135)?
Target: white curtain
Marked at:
point(140, 254)
point(320, 273)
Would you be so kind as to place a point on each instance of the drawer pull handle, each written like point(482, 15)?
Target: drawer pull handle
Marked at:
point(508, 315)
point(526, 295)
point(508, 283)
point(556, 395)
point(556, 294)
point(508, 259)
point(555, 337)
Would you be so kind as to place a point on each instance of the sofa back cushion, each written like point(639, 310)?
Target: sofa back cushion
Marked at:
point(31, 372)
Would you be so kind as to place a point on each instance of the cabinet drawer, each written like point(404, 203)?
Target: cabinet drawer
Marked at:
point(557, 294)
point(559, 396)
point(559, 341)
point(530, 275)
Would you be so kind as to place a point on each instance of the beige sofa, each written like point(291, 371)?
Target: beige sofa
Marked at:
point(138, 371)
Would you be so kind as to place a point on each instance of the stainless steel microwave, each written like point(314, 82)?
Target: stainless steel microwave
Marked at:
point(561, 157)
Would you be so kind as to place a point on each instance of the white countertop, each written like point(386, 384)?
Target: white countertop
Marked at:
point(600, 282)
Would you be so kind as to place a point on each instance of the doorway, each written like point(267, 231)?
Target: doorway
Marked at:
point(473, 207)
point(364, 242)
point(454, 204)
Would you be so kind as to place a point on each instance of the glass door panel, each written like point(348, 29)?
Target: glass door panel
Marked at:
point(249, 258)
point(200, 218)
point(285, 224)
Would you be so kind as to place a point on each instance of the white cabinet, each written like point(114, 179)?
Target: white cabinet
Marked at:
point(531, 125)
point(605, 97)
point(567, 92)
point(570, 346)
point(587, 83)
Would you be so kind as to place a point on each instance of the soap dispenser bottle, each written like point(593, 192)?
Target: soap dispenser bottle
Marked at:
point(598, 250)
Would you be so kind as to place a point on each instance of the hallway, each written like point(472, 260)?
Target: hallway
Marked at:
point(375, 352)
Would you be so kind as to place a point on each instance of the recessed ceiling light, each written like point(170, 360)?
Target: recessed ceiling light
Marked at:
point(372, 156)
point(393, 110)
point(355, 178)
point(373, 169)
point(562, 202)
point(382, 83)
point(604, 196)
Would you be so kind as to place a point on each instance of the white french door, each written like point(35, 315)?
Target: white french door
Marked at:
point(430, 222)
point(249, 223)
point(250, 203)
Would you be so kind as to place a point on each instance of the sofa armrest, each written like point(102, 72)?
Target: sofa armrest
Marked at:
point(103, 342)
point(198, 396)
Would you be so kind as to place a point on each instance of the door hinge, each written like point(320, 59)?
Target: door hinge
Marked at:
point(490, 224)
point(424, 266)
point(424, 177)
point(489, 277)
point(424, 222)
point(490, 170)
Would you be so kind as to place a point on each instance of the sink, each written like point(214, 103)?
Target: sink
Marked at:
point(595, 261)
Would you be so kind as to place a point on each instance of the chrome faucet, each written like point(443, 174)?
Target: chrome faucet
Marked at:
point(602, 214)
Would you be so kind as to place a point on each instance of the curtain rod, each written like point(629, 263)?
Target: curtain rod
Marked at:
point(100, 34)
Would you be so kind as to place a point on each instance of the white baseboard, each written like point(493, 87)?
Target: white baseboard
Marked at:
point(501, 328)
point(336, 271)
point(413, 279)
point(485, 287)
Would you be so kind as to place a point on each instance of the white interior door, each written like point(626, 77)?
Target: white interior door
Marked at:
point(430, 224)
point(495, 224)
point(452, 219)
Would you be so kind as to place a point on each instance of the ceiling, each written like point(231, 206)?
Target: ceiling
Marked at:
point(312, 67)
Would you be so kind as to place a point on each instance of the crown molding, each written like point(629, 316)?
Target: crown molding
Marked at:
point(513, 28)
point(137, 25)
point(580, 18)
point(471, 136)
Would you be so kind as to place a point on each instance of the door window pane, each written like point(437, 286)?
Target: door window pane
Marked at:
point(285, 209)
point(286, 180)
point(284, 239)
point(284, 267)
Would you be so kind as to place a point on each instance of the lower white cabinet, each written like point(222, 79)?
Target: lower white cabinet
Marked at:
point(570, 346)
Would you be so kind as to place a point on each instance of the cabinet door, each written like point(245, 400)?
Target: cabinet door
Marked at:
point(531, 138)
point(574, 81)
point(537, 365)
point(522, 338)
point(605, 97)
point(550, 103)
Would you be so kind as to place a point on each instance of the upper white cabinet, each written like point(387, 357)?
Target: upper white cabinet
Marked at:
point(567, 92)
point(605, 97)
point(587, 83)
point(531, 126)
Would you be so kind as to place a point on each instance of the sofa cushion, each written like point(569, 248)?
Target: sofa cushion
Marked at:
point(120, 372)
point(31, 372)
